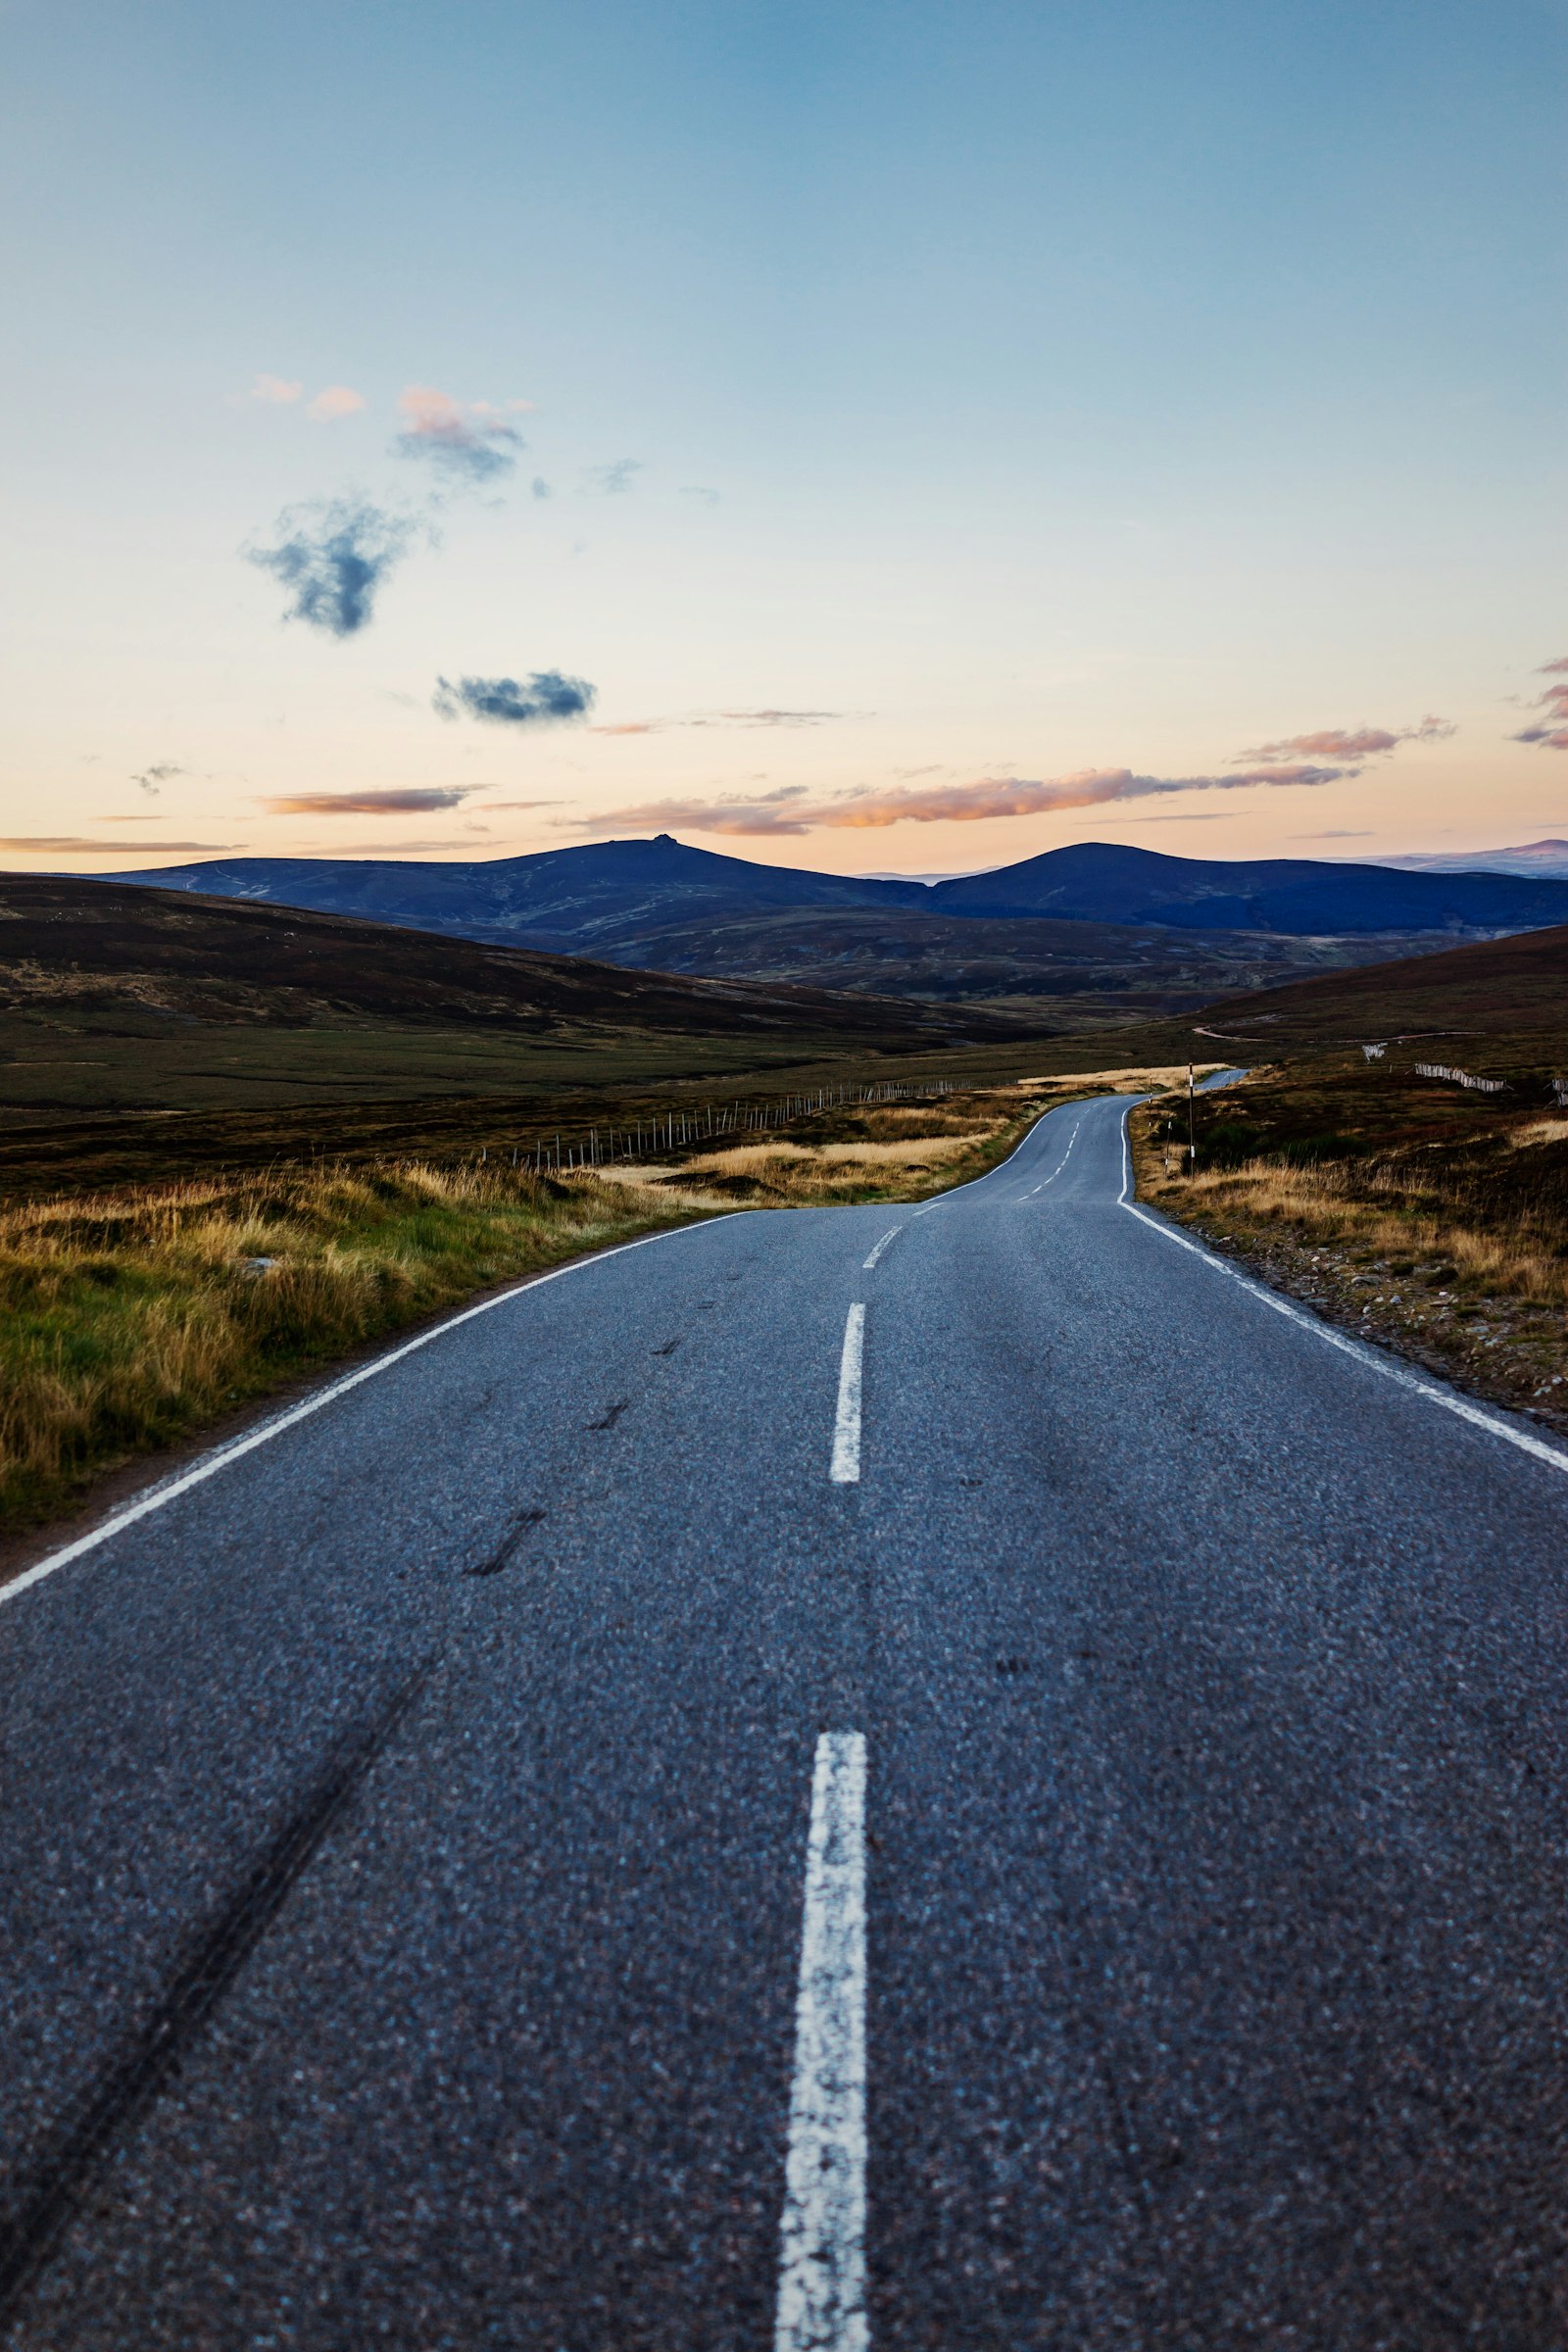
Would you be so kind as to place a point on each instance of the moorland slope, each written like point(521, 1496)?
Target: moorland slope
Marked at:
point(111, 995)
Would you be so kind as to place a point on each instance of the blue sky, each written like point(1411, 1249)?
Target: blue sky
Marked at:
point(957, 430)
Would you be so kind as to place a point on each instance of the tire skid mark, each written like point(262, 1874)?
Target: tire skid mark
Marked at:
point(130, 2085)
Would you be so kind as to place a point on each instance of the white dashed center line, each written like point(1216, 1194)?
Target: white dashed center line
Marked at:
point(892, 1232)
point(844, 1468)
point(821, 2275)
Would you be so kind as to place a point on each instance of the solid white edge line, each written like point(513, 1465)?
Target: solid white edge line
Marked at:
point(1459, 1406)
point(821, 2278)
point(171, 1490)
point(891, 1234)
point(845, 1467)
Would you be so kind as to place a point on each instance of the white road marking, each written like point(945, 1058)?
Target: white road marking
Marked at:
point(1459, 1406)
point(844, 1468)
point(822, 2274)
point(170, 1490)
point(210, 1465)
point(892, 1230)
point(1056, 1171)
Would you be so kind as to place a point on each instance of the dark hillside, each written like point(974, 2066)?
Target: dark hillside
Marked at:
point(1103, 883)
point(1479, 996)
point(563, 900)
point(78, 949)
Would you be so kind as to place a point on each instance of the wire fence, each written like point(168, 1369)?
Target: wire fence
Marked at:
point(1477, 1086)
point(643, 1138)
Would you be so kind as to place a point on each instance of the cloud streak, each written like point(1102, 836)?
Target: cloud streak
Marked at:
point(613, 480)
point(333, 556)
point(787, 812)
point(1551, 731)
point(541, 699)
point(1350, 743)
point(473, 444)
point(724, 719)
point(392, 800)
point(58, 843)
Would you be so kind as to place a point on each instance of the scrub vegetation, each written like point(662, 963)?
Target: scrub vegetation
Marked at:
point(1426, 1216)
point(133, 1317)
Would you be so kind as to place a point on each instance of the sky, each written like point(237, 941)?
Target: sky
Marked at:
point(871, 437)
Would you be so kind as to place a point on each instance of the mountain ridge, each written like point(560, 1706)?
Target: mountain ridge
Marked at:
point(602, 895)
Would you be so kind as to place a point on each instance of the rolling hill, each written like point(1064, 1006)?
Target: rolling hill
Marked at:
point(1103, 883)
point(1077, 972)
point(661, 905)
point(110, 995)
point(1467, 1005)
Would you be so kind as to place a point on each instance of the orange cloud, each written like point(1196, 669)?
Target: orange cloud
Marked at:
point(334, 400)
point(787, 812)
point(396, 799)
point(58, 843)
point(276, 388)
point(1349, 743)
point(1552, 730)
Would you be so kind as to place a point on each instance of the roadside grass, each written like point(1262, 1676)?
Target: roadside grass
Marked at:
point(1435, 1226)
point(133, 1319)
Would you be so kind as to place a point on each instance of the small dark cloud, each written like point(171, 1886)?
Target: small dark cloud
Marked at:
point(474, 444)
point(540, 487)
point(614, 479)
point(333, 556)
point(517, 804)
point(153, 779)
point(541, 699)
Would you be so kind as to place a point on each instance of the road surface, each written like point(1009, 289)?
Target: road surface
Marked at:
point(930, 1778)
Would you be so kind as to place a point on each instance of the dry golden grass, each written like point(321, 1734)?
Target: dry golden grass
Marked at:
point(131, 1319)
point(1456, 1267)
point(1329, 1205)
point(127, 1321)
point(1158, 1079)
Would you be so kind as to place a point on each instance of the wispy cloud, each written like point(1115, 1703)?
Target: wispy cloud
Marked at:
point(60, 844)
point(540, 487)
point(153, 779)
point(615, 479)
point(394, 799)
point(543, 699)
point(1350, 743)
point(333, 556)
point(277, 388)
point(334, 400)
point(471, 443)
point(490, 804)
point(700, 492)
point(788, 811)
point(1552, 730)
point(723, 718)
point(465, 841)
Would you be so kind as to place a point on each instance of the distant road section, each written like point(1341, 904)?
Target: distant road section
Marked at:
point(949, 1778)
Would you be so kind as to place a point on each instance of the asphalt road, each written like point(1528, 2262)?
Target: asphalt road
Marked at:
point(1146, 1717)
